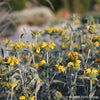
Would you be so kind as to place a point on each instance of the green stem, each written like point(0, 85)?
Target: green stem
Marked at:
point(47, 57)
point(87, 58)
point(33, 59)
point(12, 93)
point(71, 42)
point(75, 77)
point(90, 88)
point(36, 39)
point(48, 92)
point(7, 50)
point(36, 91)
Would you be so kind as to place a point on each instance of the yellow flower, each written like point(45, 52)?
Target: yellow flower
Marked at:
point(22, 98)
point(68, 38)
point(12, 46)
point(98, 38)
point(78, 61)
point(26, 95)
point(33, 45)
point(51, 45)
point(43, 62)
point(63, 70)
point(12, 63)
point(92, 27)
point(39, 81)
point(1, 61)
point(27, 46)
point(63, 33)
point(17, 45)
point(33, 97)
point(77, 21)
point(21, 44)
point(73, 55)
point(43, 44)
point(57, 65)
point(13, 85)
point(96, 72)
point(8, 59)
point(88, 71)
point(46, 29)
point(96, 51)
point(70, 64)
point(88, 35)
point(13, 58)
point(93, 82)
point(6, 41)
point(64, 46)
point(96, 44)
point(76, 46)
point(16, 61)
point(77, 64)
point(36, 66)
point(50, 30)
point(94, 37)
point(6, 84)
point(38, 50)
point(57, 93)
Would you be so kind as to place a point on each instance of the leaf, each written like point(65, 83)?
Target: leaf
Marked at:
point(92, 92)
point(2, 52)
point(5, 71)
point(21, 36)
point(38, 88)
point(14, 75)
point(58, 81)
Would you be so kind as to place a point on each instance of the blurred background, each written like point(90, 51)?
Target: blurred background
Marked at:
point(20, 14)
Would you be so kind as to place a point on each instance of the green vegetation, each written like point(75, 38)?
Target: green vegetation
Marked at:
point(18, 5)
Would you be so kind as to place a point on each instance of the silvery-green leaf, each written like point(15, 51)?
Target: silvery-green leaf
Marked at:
point(2, 52)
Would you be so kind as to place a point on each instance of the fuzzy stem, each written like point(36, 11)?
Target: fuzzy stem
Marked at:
point(75, 77)
point(90, 88)
point(87, 58)
point(33, 59)
point(36, 39)
point(7, 50)
point(12, 93)
point(48, 92)
point(47, 57)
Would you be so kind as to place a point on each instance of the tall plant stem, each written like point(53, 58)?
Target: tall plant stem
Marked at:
point(90, 88)
point(87, 58)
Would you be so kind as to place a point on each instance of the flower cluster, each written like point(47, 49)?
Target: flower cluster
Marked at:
point(12, 61)
point(40, 64)
point(72, 55)
point(92, 73)
point(60, 68)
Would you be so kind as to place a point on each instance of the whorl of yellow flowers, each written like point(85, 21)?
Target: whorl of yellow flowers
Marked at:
point(96, 44)
point(73, 55)
point(12, 61)
point(77, 64)
point(60, 67)
point(41, 63)
point(94, 71)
